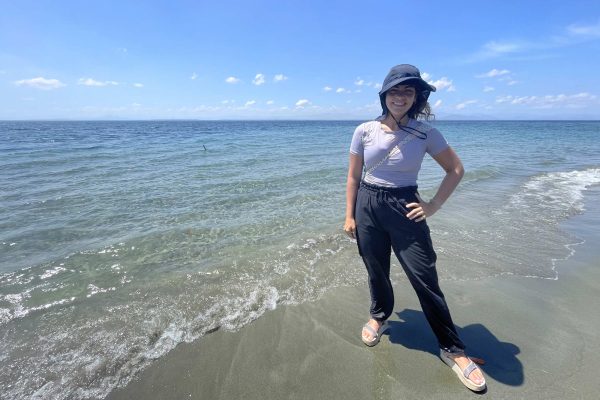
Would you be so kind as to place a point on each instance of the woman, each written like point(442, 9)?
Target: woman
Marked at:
point(384, 210)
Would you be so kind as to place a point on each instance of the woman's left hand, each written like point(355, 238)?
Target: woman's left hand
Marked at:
point(422, 209)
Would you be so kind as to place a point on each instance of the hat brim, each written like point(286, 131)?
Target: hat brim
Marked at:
point(421, 83)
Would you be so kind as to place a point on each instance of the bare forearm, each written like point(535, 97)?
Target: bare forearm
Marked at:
point(352, 183)
point(448, 185)
point(351, 191)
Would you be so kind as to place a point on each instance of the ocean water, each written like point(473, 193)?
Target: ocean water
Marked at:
point(119, 240)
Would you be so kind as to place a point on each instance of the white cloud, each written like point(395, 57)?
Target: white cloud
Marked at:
point(370, 84)
point(93, 82)
point(571, 35)
point(302, 103)
point(359, 82)
point(504, 99)
point(437, 104)
point(41, 83)
point(550, 101)
point(270, 102)
point(587, 31)
point(440, 84)
point(377, 86)
point(502, 75)
point(232, 80)
point(496, 49)
point(465, 104)
point(327, 89)
point(502, 48)
point(443, 83)
point(138, 85)
point(280, 78)
point(494, 73)
point(259, 79)
point(250, 103)
point(194, 76)
point(341, 90)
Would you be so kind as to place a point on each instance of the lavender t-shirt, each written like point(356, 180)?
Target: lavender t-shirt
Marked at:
point(401, 169)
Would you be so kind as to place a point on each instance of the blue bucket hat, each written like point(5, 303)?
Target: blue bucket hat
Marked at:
point(405, 74)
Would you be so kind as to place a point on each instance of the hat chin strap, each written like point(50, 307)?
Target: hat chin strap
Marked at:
point(395, 120)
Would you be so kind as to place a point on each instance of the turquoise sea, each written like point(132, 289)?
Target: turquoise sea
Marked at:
point(119, 240)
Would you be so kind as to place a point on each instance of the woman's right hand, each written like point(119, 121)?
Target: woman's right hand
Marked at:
point(350, 227)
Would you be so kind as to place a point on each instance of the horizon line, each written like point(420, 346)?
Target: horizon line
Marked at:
point(282, 119)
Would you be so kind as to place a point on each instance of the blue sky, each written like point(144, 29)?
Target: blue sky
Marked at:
point(304, 59)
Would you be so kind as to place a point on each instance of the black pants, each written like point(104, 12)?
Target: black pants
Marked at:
point(382, 225)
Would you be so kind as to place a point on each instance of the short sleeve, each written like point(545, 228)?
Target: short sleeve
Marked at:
point(356, 146)
point(436, 143)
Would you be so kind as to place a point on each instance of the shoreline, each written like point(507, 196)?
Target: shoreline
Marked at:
point(537, 337)
point(358, 120)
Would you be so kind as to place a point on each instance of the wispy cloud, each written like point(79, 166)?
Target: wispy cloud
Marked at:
point(232, 80)
point(437, 104)
point(138, 85)
point(494, 73)
point(495, 49)
point(578, 100)
point(487, 89)
point(463, 105)
point(499, 48)
point(570, 35)
point(270, 102)
point(328, 88)
point(280, 78)
point(341, 90)
point(194, 76)
point(302, 103)
point(250, 103)
point(360, 82)
point(41, 83)
point(93, 82)
point(502, 75)
point(584, 31)
point(259, 79)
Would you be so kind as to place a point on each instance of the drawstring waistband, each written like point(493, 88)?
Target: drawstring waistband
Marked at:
point(391, 190)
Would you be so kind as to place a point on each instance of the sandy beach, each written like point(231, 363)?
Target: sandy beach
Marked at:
point(537, 336)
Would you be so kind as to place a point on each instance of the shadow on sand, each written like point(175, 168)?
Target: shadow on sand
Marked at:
point(501, 363)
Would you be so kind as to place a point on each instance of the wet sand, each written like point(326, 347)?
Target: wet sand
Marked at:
point(539, 339)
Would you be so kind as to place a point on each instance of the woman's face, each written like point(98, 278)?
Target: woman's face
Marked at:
point(400, 99)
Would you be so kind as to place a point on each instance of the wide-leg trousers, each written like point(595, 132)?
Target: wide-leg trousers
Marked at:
point(382, 226)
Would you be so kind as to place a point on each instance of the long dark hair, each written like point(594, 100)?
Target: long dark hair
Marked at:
point(420, 109)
